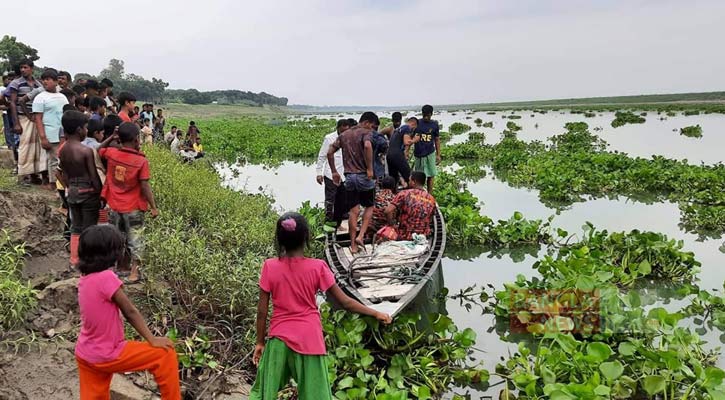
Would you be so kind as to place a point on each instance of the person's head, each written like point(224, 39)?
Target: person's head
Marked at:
point(74, 124)
point(159, 112)
point(49, 77)
point(293, 234)
point(79, 89)
point(342, 125)
point(389, 183)
point(412, 122)
point(92, 87)
point(417, 179)
point(192, 123)
point(352, 122)
point(6, 79)
point(427, 112)
point(100, 248)
point(26, 68)
point(69, 107)
point(179, 134)
point(128, 135)
point(146, 121)
point(198, 140)
point(95, 129)
point(107, 83)
point(110, 122)
point(174, 129)
point(80, 104)
point(97, 105)
point(135, 109)
point(368, 119)
point(397, 118)
point(69, 95)
point(127, 101)
point(64, 79)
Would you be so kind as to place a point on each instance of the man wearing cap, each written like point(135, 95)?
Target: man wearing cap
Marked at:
point(333, 196)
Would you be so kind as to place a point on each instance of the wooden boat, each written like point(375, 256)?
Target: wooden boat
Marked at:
point(386, 286)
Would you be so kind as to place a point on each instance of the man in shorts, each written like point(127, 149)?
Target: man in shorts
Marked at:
point(357, 158)
point(427, 150)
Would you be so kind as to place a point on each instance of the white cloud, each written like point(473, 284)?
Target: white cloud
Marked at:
point(392, 52)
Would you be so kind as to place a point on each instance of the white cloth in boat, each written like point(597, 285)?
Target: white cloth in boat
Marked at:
point(396, 252)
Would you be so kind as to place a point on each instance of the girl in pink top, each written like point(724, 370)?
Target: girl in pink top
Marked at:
point(101, 349)
point(296, 347)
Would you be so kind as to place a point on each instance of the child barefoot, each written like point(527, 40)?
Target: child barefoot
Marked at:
point(295, 347)
point(101, 349)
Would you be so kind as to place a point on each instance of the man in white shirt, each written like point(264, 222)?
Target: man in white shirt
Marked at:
point(178, 148)
point(324, 173)
point(171, 135)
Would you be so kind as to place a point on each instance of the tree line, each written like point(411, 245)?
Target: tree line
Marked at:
point(154, 90)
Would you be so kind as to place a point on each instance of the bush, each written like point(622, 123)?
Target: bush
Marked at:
point(458, 127)
point(17, 297)
point(691, 131)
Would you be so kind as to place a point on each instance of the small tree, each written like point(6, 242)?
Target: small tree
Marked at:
point(12, 52)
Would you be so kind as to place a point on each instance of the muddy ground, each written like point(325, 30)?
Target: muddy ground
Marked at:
point(37, 361)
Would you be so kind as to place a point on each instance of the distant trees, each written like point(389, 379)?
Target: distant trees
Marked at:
point(193, 96)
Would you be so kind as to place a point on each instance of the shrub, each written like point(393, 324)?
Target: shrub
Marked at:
point(17, 297)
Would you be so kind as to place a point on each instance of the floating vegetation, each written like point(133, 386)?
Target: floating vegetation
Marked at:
point(488, 124)
point(691, 112)
point(511, 126)
point(590, 114)
point(626, 117)
point(457, 128)
point(478, 121)
point(691, 131)
point(514, 117)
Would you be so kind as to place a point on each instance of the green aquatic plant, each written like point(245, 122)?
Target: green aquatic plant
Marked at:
point(17, 296)
point(488, 124)
point(511, 126)
point(626, 117)
point(457, 128)
point(478, 121)
point(694, 131)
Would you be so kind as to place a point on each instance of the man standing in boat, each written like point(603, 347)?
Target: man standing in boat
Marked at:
point(334, 195)
point(357, 159)
point(427, 149)
point(414, 209)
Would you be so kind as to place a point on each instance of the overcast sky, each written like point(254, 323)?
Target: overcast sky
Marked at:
point(389, 52)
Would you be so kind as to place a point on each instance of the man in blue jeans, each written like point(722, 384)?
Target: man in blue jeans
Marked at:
point(357, 158)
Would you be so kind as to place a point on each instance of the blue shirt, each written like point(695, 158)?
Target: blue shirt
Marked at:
point(380, 147)
point(428, 131)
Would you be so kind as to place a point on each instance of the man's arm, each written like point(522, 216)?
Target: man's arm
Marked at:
point(321, 159)
point(14, 112)
point(44, 143)
point(437, 142)
point(91, 169)
point(390, 212)
point(331, 161)
point(369, 158)
point(109, 140)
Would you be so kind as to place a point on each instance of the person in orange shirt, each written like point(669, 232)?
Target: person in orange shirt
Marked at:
point(127, 102)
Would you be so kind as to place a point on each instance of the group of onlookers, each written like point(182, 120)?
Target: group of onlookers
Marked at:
point(357, 160)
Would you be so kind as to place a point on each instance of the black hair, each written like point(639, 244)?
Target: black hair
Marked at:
point(128, 132)
point(95, 125)
point(397, 116)
point(388, 182)
point(145, 120)
point(110, 122)
point(125, 97)
point(68, 93)
point(80, 102)
point(25, 61)
point(100, 248)
point(192, 123)
point(92, 84)
point(107, 82)
point(413, 119)
point(342, 122)
point(179, 133)
point(174, 126)
point(79, 89)
point(66, 74)
point(72, 121)
point(69, 107)
point(49, 73)
point(427, 109)
point(96, 102)
point(352, 121)
point(369, 116)
point(418, 177)
point(293, 233)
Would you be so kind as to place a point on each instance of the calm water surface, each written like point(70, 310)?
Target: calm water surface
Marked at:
point(293, 182)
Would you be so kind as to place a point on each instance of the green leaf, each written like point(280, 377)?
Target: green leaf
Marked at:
point(345, 383)
point(645, 268)
point(598, 350)
point(654, 384)
point(627, 348)
point(394, 372)
point(560, 395)
point(713, 377)
point(547, 375)
point(601, 390)
point(611, 370)
point(423, 393)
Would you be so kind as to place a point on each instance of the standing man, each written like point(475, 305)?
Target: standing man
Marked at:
point(400, 140)
point(29, 151)
point(48, 112)
point(64, 80)
point(357, 158)
point(324, 173)
point(427, 150)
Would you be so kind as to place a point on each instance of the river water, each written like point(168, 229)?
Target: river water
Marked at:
point(293, 182)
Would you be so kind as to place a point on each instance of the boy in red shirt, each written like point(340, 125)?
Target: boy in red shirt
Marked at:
point(128, 192)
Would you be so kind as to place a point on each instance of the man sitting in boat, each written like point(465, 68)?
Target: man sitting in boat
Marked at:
point(383, 198)
point(414, 209)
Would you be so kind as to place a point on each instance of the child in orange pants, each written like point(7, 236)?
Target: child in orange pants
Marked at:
point(101, 349)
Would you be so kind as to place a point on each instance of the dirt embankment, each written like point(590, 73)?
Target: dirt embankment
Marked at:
point(37, 361)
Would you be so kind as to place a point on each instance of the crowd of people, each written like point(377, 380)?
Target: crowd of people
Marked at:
point(361, 166)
